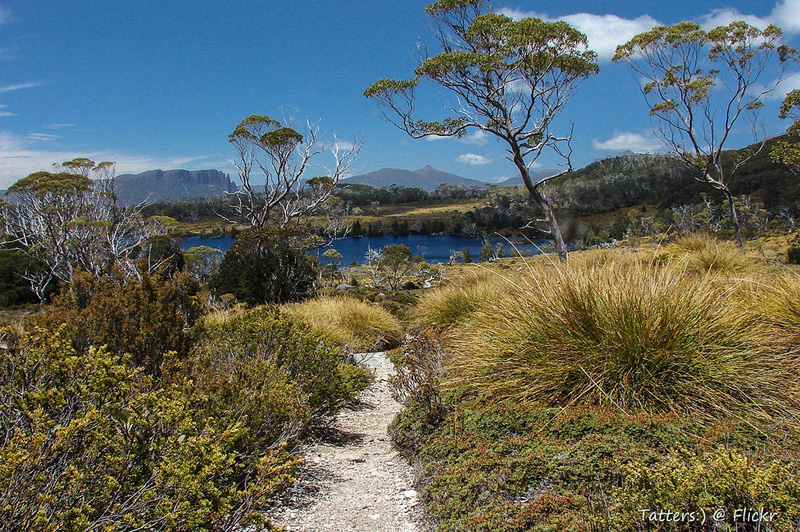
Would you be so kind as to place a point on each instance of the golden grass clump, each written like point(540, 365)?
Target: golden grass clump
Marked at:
point(629, 336)
point(705, 254)
point(446, 306)
point(350, 322)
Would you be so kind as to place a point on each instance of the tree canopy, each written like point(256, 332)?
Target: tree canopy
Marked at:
point(512, 79)
point(699, 85)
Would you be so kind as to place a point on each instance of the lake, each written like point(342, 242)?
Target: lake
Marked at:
point(434, 249)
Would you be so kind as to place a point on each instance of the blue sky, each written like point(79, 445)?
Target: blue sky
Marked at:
point(161, 84)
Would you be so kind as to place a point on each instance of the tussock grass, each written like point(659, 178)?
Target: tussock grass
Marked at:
point(629, 336)
point(777, 298)
point(705, 254)
point(350, 322)
point(453, 303)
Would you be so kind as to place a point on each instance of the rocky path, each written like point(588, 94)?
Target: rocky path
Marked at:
point(353, 479)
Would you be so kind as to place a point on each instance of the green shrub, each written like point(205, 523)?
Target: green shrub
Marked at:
point(697, 486)
point(249, 353)
point(630, 337)
point(142, 318)
point(793, 251)
point(266, 266)
point(88, 442)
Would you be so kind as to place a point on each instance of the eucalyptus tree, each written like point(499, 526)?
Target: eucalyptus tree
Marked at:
point(512, 79)
point(700, 86)
point(283, 156)
point(788, 152)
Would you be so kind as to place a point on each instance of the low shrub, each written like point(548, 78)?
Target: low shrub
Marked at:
point(753, 494)
point(89, 442)
point(143, 318)
point(248, 356)
point(349, 322)
point(793, 251)
point(416, 384)
point(630, 337)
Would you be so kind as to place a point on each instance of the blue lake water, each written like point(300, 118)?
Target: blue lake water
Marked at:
point(434, 249)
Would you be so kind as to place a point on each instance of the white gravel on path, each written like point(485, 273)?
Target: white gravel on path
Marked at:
point(353, 479)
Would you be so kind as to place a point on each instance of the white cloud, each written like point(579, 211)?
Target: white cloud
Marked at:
point(473, 159)
point(626, 140)
point(723, 17)
point(604, 32)
point(20, 86)
point(58, 126)
point(786, 15)
point(790, 83)
point(43, 137)
point(477, 137)
point(21, 156)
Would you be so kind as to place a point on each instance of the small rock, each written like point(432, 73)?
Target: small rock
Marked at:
point(410, 494)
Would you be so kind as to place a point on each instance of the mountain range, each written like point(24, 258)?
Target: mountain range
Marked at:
point(428, 179)
point(168, 185)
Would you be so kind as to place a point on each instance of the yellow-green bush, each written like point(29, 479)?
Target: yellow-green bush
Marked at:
point(350, 322)
point(721, 487)
point(627, 336)
point(88, 442)
point(261, 353)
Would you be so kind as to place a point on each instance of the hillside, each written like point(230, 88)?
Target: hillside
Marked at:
point(663, 181)
point(517, 180)
point(165, 185)
point(427, 179)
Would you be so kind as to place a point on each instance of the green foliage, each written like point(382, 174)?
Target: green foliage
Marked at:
point(14, 290)
point(793, 251)
point(509, 467)
point(699, 485)
point(201, 262)
point(266, 266)
point(487, 252)
point(90, 442)
point(788, 152)
point(418, 370)
point(140, 319)
point(49, 185)
point(467, 255)
point(698, 84)
point(252, 351)
point(397, 263)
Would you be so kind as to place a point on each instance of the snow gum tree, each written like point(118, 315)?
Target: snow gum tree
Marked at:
point(700, 85)
point(511, 78)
